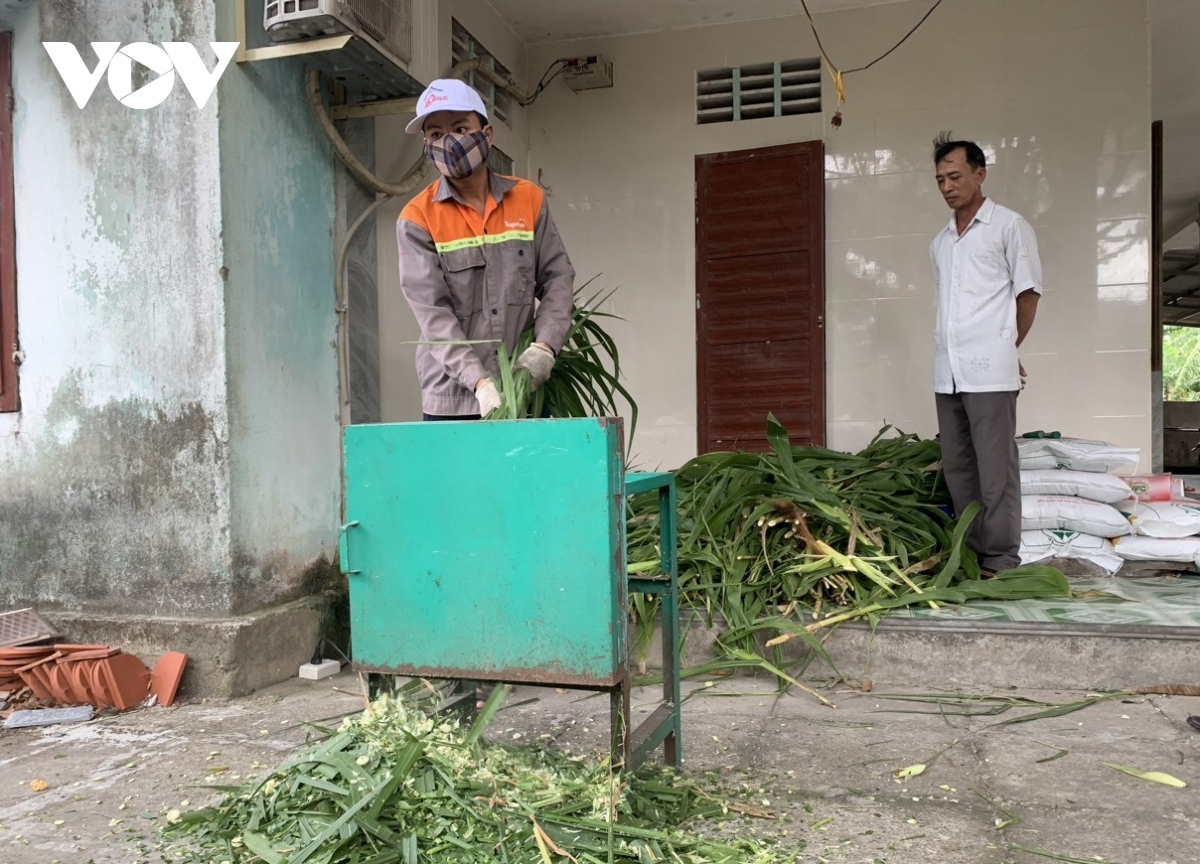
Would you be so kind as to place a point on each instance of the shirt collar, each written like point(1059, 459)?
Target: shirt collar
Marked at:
point(984, 215)
point(498, 186)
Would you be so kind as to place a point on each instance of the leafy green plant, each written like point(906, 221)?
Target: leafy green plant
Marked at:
point(785, 544)
point(586, 380)
point(1181, 364)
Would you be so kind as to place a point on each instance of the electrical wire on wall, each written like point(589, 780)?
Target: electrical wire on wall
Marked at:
point(837, 74)
point(562, 63)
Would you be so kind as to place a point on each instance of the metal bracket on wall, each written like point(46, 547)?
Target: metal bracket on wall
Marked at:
point(373, 109)
point(292, 49)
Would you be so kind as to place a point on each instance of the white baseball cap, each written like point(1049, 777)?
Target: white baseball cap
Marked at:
point(446, 94)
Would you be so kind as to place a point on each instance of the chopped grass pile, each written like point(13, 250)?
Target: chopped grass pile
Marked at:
point(394, 786)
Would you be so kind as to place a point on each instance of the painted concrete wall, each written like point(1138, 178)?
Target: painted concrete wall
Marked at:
point(177, 449)
point(395, 153)
point(277, 210)
point(113, 486)
point(1058, 95)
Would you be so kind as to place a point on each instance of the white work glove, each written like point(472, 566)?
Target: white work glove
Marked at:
point(538, 361)
point(488, 397)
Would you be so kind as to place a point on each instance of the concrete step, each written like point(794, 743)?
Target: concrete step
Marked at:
point(919, 653)
point(913, 653)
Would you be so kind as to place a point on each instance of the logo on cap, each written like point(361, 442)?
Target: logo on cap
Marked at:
point(434, 98)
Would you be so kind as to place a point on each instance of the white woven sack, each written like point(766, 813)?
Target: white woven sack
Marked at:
point(1182, 549)
point(1104, 488)
point(1043, 545)
point(1076, 454)
point(1068, 513)
point(1163, 519)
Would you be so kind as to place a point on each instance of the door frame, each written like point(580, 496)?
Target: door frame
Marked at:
point(816, 221)
point(1157, 447)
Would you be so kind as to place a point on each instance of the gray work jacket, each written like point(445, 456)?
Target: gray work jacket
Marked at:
point(472, 277)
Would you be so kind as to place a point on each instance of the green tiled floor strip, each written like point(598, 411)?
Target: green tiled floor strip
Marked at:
point(1168, 601)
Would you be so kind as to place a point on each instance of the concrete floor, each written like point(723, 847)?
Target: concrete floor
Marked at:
point(827, 773)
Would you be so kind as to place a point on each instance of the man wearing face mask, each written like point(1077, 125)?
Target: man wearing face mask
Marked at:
point(476, 250)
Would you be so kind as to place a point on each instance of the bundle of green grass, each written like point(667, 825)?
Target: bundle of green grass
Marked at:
point(585, 381)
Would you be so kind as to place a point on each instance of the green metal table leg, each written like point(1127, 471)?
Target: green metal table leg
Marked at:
point(665, 724)
point(667, 510)
point(618, 701)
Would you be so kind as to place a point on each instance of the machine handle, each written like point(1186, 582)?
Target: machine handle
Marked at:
point(344, 548)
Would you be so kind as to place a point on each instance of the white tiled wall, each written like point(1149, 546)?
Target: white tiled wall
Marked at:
point(1056, 93)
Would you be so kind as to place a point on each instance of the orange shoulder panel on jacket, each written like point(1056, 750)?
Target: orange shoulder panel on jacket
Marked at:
point(444, 223)
point(417, 209)
point(529, 194)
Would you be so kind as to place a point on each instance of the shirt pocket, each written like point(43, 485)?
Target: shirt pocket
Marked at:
point(989, 270)
point(516, 260)
point(463, 271)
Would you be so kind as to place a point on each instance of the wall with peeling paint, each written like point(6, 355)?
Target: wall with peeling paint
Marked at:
point(277, 193)
point(113, 484)
point(177, 449)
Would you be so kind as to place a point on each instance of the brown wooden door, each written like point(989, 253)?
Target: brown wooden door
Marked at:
point(760, 295)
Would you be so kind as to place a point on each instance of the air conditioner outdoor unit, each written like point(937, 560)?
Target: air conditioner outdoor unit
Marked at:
point(374, 64)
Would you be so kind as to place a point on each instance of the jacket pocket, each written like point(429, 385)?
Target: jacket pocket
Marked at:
point(516, 260)
point(463, 271)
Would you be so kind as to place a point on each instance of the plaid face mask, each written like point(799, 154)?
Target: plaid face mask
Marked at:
point(459, 156)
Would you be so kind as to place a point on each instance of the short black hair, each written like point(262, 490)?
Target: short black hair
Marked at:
point(945, 144)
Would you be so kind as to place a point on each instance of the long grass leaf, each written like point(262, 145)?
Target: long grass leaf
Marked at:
point(1152, 776)
point(494, 703)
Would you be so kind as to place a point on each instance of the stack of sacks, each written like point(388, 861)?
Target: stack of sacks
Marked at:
point(1165, 523)
point(1069, 493)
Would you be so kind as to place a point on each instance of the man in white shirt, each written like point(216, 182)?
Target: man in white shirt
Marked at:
point(988, 280)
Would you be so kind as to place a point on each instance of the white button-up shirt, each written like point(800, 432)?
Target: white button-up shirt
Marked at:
point(979, 275)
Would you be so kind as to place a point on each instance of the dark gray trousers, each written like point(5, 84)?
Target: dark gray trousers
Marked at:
point(979, 459)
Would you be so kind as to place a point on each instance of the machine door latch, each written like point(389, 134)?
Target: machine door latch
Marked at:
point(344, 548)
